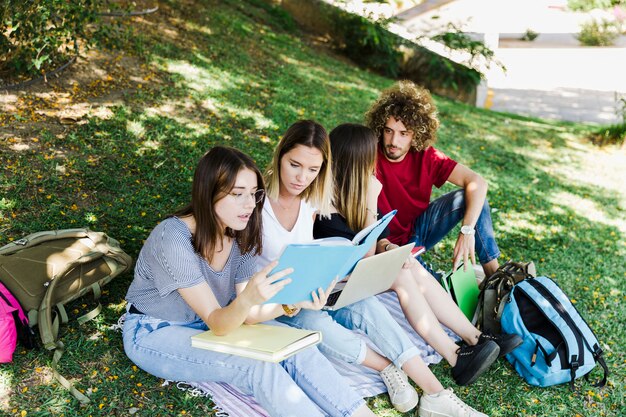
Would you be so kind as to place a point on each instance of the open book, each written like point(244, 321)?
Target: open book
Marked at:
point(318, 262)
point(259, 341)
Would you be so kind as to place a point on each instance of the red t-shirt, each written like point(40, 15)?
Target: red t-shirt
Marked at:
point(407, 186)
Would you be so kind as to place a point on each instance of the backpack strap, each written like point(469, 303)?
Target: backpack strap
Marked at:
point(536, 290)
point(573, 363)
point(49, 328)
point(559, 303)
point(59, 349)
point(597, 356)
point(48, 336)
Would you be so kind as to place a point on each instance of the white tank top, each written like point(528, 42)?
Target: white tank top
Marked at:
point(276, 237)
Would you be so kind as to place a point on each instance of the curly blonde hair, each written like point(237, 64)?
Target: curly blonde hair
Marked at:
point(410, 104)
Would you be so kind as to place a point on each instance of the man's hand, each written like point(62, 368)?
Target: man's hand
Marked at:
point(464, 251)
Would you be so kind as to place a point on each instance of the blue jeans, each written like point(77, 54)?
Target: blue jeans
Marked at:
point(443, 214)
point(369, 316)
point(300, 385)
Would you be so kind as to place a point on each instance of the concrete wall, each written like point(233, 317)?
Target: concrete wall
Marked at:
point(318, 17)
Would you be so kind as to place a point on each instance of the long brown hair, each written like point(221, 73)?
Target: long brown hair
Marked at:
point(354, 151)
point(213, 179)
point(313, 135)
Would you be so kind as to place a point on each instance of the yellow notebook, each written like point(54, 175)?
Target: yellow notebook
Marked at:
point(259, 341)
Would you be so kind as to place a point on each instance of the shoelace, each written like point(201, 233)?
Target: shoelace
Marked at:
point(465, 350)
point(488, 336)
point(394, 379)
point(461, 404)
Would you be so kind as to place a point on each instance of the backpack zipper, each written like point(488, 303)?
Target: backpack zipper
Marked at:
point(529, 298)
point(558, 306)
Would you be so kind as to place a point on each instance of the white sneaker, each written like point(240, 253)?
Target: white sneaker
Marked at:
point(446, 404)
point(403, 396)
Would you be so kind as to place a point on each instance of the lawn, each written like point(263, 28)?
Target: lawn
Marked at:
point(138, 113)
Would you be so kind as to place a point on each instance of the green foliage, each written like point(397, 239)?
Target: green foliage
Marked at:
point(456, 40)
point(530, 35)
point(614, 134)
point(586, 5)
point(280, 18)
point(454, 76)
point(369, 44)
point(598, 33)
point(429, 68)
point(37, 35)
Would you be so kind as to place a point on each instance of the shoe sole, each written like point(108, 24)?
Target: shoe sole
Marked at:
point(407, 406)
point(487, 361)
point(516, 342)
point(426, 413)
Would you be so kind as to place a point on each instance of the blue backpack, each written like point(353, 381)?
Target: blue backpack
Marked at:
point(558, 344)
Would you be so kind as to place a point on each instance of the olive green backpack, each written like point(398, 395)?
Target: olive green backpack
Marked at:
point(47, 270)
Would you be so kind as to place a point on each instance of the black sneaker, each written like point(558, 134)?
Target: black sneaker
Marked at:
point(473, 361)
point(506, 342)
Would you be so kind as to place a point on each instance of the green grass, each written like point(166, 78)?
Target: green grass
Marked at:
point(238, 73)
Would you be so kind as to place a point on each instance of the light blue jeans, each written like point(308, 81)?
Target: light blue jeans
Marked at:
point(305, 384)
point(368, 315)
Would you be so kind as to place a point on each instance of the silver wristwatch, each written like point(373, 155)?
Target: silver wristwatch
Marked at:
point(467, 230)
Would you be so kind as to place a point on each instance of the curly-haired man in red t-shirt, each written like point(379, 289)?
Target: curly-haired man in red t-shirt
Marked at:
point(404, 118)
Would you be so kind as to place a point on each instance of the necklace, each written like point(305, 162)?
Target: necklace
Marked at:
point(293, 200)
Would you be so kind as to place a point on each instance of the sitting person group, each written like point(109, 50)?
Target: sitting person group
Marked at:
point(207, 266)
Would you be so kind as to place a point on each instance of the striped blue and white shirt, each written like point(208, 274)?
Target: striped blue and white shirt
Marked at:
point(168, 261)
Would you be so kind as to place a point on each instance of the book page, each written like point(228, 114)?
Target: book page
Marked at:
point(365, 232)
point(316, 265)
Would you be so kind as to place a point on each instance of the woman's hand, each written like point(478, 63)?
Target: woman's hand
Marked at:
point(409, 263)
point(262, 287)
point(319, 298)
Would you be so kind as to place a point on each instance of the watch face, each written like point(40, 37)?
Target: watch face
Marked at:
point(467, 230)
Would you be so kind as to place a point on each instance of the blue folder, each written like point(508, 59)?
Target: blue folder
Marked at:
point(317, 263)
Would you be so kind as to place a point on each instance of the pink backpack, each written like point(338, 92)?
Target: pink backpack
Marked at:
point(13, 326)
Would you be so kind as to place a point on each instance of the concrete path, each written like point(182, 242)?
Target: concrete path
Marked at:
point(551, 77)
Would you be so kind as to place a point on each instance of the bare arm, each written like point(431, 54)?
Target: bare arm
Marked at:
point(222, 320)
point(264, 312)
point(374, 188)
point(261, 312)
point(475, 188)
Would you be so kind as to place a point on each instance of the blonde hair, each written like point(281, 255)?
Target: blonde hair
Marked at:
point(313, 135)
point(410, 104)
point(354, 148)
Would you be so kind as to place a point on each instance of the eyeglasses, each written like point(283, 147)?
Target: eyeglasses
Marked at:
point(241, 198)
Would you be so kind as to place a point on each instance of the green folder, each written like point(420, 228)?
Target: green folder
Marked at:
point(463, 288)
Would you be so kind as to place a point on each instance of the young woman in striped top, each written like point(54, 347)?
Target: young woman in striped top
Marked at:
point(196, 272)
